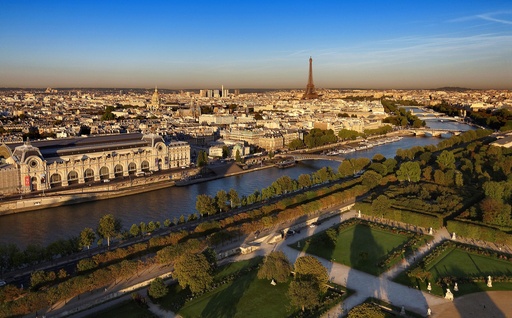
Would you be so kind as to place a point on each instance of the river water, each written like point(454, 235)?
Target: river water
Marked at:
point(47, 225)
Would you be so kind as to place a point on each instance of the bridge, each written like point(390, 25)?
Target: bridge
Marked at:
point(435, 132)
point(305, 156)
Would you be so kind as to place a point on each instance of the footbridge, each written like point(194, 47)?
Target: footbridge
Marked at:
point(305, 156)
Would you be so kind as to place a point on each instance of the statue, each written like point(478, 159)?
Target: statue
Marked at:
point(430, 231)
point(454, 237)
point(359, 214)
point(456, 287)
point(402, 311)
point(489, 281)
point(448, 295)
point(273, 282)
point(429, 287)
point(429, 311)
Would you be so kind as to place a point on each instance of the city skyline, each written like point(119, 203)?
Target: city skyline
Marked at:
point(265, 45)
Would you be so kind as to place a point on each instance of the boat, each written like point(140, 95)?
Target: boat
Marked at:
point(286, 164)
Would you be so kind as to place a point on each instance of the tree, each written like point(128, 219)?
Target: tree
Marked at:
point(108, 115)
point(304, 181)
point(225, 151)
point(157, 288)
point(446, 160)
point(495, 211)
point(143, 228)
point(380, 168)
point(193, 271)
point(234, 198)
point(409, 171)
point(275, 266)
point(205, 205)
point(378, 158)
point(151, 226)
point(346, 168)
point(296, 144)
point(238, 158)
point(202, 159)
point(493, 189)
point(309, 268)
point(345, 134)
point(304, 293)
point(371, 179)
point(390, 164)
point(381, 205)
point(439, 177)
point(221, 198)
point(87, 237)
point(108, 227)
point(134, 230)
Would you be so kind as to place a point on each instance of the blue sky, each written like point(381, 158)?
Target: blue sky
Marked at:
point(257, 44)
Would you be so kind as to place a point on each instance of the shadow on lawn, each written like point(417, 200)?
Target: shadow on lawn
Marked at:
point(362, 249)
point(216, 307)
point(364, 252)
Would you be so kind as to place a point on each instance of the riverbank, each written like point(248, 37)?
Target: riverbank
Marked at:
point(81, 195)
point(104, 191)
point(119, 188)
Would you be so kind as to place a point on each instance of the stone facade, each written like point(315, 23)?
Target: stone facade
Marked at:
point(62, 163)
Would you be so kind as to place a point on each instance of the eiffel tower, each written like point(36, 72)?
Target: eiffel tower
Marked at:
point(310, 88)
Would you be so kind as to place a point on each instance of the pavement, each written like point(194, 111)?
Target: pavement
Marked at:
point(363, 284)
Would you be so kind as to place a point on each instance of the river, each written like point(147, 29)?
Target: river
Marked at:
point(47, 225)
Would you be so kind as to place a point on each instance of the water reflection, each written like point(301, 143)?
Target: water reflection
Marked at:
point(47, 225)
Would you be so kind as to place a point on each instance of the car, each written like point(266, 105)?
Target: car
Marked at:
point(106, 180)
point(2, 283)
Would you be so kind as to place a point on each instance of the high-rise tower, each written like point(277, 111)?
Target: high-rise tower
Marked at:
point(310, 88)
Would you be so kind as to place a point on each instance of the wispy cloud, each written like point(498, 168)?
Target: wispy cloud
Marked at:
point(491, 16)
point(418, 49)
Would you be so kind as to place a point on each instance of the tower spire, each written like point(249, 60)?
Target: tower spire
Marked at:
point(310, 92)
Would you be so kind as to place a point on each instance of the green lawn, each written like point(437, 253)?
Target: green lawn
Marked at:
point(460, 263)
point(128, 309)
point(359, 246)
point(246, 296)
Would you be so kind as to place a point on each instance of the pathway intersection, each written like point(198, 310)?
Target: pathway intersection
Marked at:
point(363, 284)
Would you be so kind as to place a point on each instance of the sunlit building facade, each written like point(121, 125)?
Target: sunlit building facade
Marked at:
point(62, 163)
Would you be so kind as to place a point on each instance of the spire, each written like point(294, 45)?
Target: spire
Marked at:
point(310, 92)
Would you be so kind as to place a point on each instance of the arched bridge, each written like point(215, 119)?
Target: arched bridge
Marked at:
point(435, 132)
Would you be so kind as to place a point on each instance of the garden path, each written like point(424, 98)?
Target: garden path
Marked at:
point(364, 284)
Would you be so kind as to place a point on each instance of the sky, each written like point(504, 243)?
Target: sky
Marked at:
point(256, 44)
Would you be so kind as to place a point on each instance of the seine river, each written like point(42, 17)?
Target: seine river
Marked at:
point(47, 225)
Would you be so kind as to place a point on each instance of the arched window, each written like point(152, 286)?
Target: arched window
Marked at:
point(132, 168)
point(104, 173)
point(34, 183)
point(55, 180)
point(118, 171)
point(89, 175)
point(144, 166)
point(72, 177)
